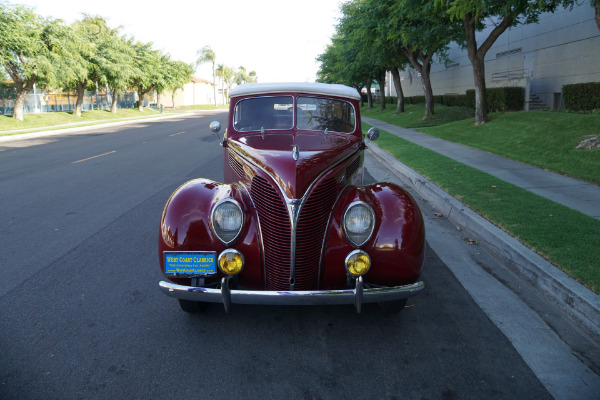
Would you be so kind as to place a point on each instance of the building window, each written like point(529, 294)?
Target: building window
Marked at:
point(509, 52)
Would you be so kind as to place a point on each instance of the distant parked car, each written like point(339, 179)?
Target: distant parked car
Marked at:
point(292, 223)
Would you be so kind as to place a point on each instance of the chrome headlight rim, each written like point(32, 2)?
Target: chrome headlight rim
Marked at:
point(214, 226)
point(353, 253)
point(235, 253)
point(372, 225)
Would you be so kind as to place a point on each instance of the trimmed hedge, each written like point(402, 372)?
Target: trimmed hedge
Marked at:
point(582, 96)
point(500, 99)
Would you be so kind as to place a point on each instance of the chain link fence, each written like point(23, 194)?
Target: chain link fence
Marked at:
point(41, 101)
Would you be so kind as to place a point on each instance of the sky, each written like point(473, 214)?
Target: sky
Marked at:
point(279, 40)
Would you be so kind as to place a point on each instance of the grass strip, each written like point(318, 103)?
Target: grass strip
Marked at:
point(565, 237)
point(59, 120)
point(412, 117)
point(544, 139)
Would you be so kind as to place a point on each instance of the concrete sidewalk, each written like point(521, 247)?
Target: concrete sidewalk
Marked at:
point(579, 303)
point(581, 196)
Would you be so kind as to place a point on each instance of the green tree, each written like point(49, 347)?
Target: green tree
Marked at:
point(32, 49)
point(120, 68)
point(419, 31)
point(147, 63)
point(227, 75)
point(206, 54)
point(111, 59)
point(505, 14)
point(243, 76)
point(360, 26)
point(176, 75)
point(353, 58)
point(340, 64)
point(84, 63)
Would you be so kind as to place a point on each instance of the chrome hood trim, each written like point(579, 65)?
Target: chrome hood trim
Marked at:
point(294, 206)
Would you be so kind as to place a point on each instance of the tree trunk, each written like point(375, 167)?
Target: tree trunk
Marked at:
point(141, 96)
point(477, 58)
point(79, 102)
point(358, 89)
point(481, 109)
point(115, 99)
point(381, 80)
point(214, 84)
point(597, 13)
point(423, 65)
point(23, 87)
point(399, 93)
point(19, 103)
point(426, 82)
point(369, 97)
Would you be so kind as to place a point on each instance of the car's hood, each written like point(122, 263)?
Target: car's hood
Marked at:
point(273, 152)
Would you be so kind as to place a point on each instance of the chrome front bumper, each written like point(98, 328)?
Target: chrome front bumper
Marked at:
point(356, 296)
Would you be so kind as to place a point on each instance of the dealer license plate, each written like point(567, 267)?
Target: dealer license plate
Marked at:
point(190, 263)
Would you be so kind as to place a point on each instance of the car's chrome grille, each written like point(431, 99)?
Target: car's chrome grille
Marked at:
point(276, 233)
point(310, 233)
point(235, 165)
point(353, 167)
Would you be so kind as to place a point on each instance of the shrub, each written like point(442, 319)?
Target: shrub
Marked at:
point(582, 96)
point(500, 99)
point(456, 100)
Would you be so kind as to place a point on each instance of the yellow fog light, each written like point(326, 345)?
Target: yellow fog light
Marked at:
point(231, 262)
point(358, 263)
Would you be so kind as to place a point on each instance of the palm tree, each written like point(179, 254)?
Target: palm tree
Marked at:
point(207, 54)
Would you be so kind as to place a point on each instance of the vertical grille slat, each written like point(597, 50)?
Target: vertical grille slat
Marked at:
point(352, 167)
point(311, 232)
point(276, 233)
point(235, 165)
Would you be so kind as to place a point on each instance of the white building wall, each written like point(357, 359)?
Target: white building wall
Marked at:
point(197, 93)
point(563, 48)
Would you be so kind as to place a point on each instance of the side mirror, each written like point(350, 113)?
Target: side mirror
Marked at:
point(215, 126)
point(373, 134)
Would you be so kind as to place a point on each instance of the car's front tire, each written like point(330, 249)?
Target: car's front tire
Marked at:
point(192, 307)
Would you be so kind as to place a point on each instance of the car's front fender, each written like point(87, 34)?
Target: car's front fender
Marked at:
point(185, 226)
point(396, 247)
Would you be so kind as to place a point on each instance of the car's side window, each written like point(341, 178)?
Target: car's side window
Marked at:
point(318, 114)
point(272, 112)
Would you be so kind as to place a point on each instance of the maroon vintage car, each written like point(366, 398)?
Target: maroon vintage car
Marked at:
point(292, 223)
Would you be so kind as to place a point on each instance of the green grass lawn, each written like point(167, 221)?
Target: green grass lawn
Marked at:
point(59, 120)
point(412, 117)
point(564, 236)
point(545, 139)
point(32, 122)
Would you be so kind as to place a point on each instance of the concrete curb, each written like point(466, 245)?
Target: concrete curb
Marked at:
point(34, 135)
point(579, 303)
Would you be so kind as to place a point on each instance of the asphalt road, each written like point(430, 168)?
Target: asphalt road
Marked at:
point(81, 315)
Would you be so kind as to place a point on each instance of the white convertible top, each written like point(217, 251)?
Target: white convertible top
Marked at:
point(294, 87)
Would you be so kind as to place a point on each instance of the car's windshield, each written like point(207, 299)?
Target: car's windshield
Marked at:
point(318, 114)
point(264, 113)
point(276, 112)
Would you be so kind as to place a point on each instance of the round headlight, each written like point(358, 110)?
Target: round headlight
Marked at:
point(231, 262)
point(359, 222)
point(227, 219)
point(358, 263)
